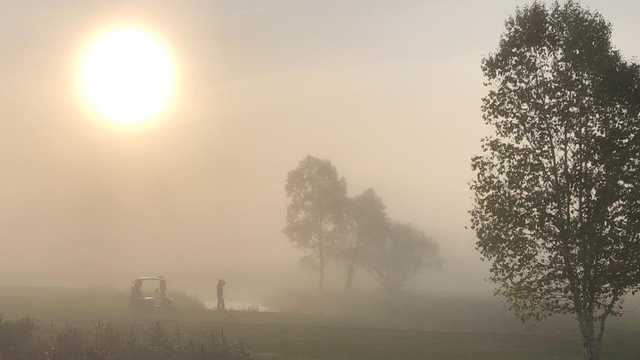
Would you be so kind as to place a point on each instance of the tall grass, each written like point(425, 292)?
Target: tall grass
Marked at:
point(26, 339)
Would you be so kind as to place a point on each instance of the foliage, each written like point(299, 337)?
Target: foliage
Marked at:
point(368, 228)
point(557, 200)
point(355, 231)
point(400, 256)
point(315, 214)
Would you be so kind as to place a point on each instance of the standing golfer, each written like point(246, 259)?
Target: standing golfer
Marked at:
point(220, 288)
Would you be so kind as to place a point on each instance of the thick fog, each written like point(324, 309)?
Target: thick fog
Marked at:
point(389, 91)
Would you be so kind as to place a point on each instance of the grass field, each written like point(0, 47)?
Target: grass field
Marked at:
point(443, 329)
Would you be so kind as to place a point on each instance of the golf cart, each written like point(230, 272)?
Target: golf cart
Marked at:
point(158, 301)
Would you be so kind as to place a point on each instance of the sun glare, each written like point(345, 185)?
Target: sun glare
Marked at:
point(127, 76)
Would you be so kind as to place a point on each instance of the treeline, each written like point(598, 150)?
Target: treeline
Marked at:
point(356, 232)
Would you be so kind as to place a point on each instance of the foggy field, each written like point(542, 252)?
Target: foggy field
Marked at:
point(430, 328)
point(328, 180)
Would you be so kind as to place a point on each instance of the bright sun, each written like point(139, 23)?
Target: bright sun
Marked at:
point(127, 75)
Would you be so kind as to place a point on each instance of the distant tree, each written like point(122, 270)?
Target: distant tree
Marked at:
point(368, 226)
point(557, 187)
point(403, 253)
point(309, 262)
point(316, 210)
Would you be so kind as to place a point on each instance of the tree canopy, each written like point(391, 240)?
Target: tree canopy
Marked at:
point(368, 225)
point(315, 214)
point(354, 231)
point(557, 192)
point(400, 256)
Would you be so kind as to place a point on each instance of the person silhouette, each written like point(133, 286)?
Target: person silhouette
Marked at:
point(220, 291)
point(136, 293)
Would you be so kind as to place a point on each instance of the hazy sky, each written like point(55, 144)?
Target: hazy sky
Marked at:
point(388, 90)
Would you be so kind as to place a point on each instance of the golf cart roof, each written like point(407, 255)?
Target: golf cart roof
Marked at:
point(159, 278)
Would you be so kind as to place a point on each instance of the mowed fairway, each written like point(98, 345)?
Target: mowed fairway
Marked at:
point(310, 336)
point(300, 341)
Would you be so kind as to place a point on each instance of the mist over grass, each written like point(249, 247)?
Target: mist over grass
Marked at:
point(357, 325)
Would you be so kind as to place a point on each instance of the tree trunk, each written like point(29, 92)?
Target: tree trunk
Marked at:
point(351, 270)
point(322, 264)
point(321, 276)
point(591, 343)
point(591, 349)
